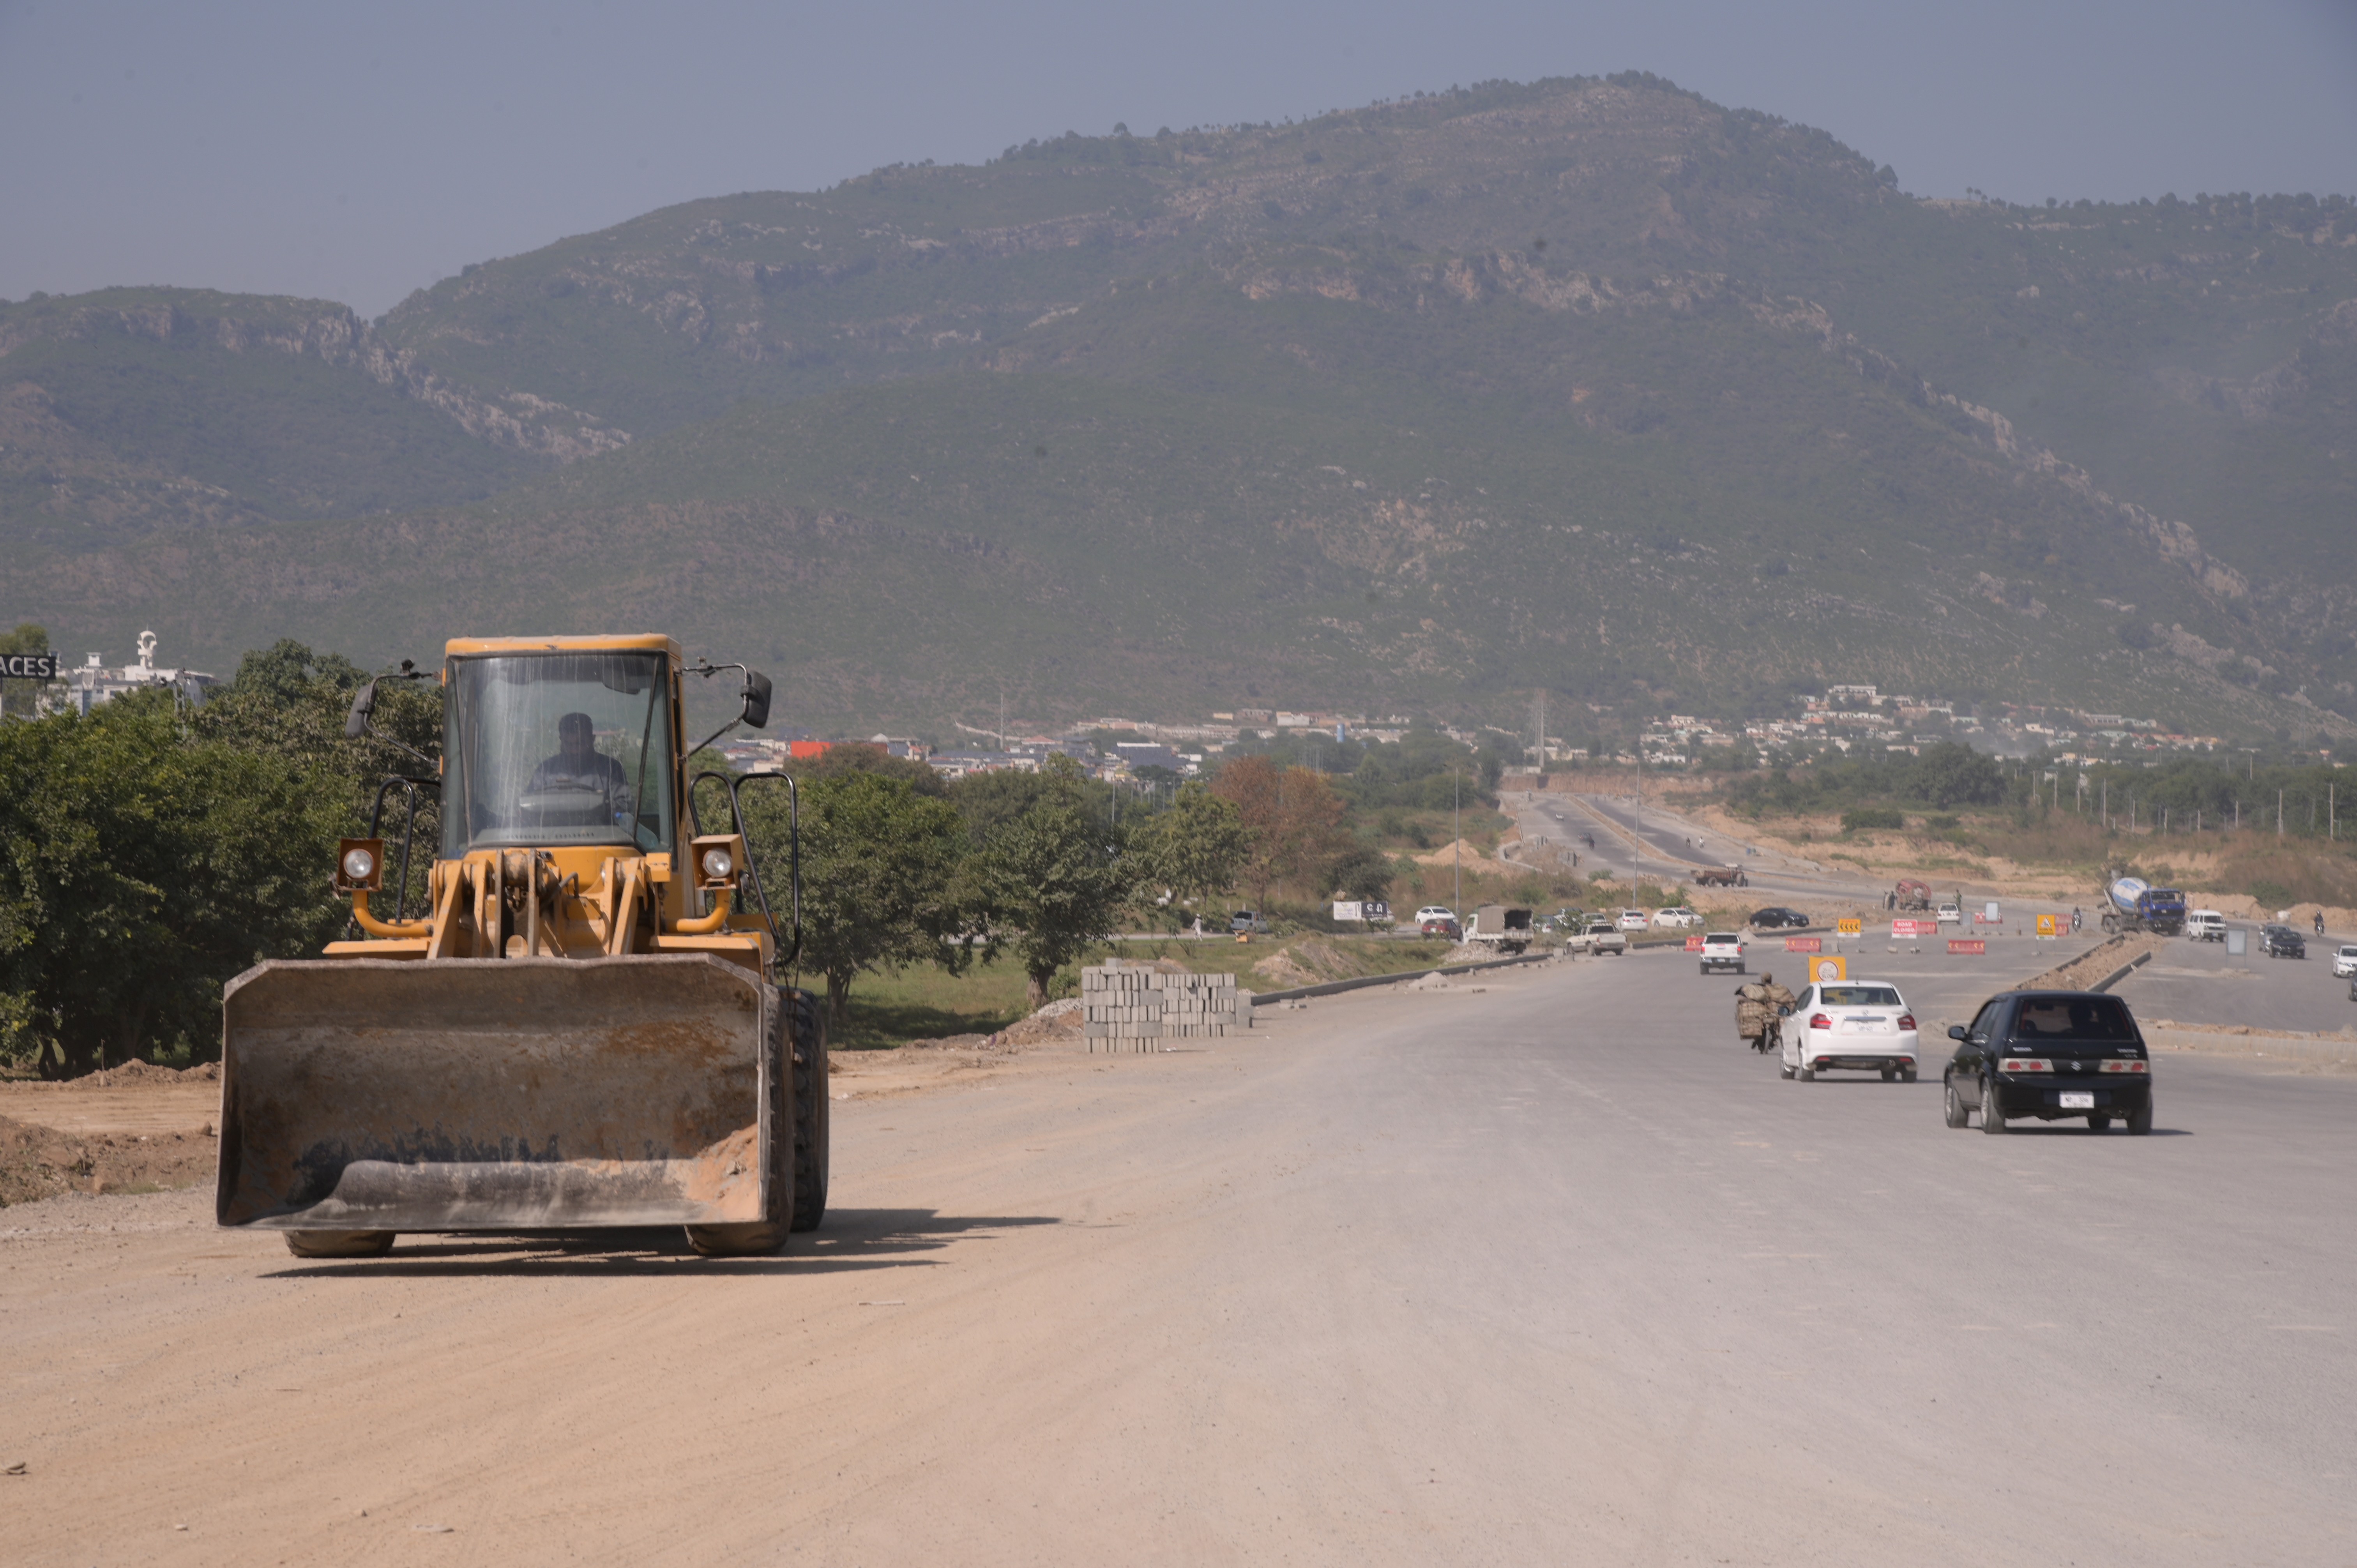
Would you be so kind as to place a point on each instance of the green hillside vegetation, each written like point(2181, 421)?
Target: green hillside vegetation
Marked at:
point(1588, 385)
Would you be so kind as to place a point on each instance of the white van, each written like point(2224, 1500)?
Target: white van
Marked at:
point(2205, 925)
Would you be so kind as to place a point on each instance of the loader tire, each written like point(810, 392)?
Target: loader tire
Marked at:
point(760, 1238)
point(339, 1243)
point(811, 1101)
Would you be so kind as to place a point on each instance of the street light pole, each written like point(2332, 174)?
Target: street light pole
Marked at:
point(1456, 824)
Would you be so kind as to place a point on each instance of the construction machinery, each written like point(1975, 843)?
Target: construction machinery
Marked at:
point(582, 1028)
point(1911, 895)
point(2132, 904)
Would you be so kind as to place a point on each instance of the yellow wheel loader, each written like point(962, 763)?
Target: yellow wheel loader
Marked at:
point(582, 1027)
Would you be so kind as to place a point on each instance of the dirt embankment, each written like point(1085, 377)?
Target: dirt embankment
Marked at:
point(138, 1128)
point(2102, 959)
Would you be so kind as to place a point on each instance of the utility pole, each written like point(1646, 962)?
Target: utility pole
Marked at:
point(2108, 804)
point(2279, 815)
point(1456, 825)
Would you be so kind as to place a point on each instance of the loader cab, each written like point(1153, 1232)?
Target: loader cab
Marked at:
point(560, 749)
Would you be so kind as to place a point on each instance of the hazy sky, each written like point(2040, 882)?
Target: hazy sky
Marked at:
point(355, 153)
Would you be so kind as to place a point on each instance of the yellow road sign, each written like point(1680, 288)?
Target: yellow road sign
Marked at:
point(1823, 969)
point(2049, 925)
point(1850, 927)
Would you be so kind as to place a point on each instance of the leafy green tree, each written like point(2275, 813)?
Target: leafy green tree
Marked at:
point(884, 882)
point(1196, 848)
point(140, 869)
point(1361, 873)
point(1056, 877)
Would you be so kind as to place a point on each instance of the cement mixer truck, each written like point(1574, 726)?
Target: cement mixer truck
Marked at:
point(2132, 904)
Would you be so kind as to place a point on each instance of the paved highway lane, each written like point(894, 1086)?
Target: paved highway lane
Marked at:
point(1550, 1270)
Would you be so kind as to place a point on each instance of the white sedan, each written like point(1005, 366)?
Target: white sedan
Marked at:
point(1434, 912)
point(1850, 1027)
point(2344, 961)
point(1681, 918)
point(1634, 920)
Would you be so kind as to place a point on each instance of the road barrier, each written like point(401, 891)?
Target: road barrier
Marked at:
point(1972, 945)
point(1804, 944)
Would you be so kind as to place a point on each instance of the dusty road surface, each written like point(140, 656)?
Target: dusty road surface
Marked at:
point(1544, 1271)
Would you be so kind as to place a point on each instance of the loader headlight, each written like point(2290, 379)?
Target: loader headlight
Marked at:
point(717, 864)
point(360, 864)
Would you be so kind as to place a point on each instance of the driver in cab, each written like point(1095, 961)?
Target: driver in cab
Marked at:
point(579, 765)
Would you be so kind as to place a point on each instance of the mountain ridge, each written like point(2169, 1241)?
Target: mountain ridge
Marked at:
point(1617, 306)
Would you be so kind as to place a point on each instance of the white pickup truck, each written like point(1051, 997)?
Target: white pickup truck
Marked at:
point(1722, 950)
point(1600, 937)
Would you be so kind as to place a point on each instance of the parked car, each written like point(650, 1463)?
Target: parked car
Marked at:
point(1246, 920)
point(2052, 1054)
point(2282, 941)
point(1949, 913)
point(2344, 961)
point(1634, 920)
point(2205, 925)
point(1776, 917)
point(1722, 951)
point(1442, 926)
point(1850, 1027)
point(1678, 918)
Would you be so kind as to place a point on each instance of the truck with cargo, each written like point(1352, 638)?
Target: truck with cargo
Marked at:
point(1497, 925)
point(2132, 904)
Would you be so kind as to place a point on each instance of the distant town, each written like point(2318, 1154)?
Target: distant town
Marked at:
point(1843, 719)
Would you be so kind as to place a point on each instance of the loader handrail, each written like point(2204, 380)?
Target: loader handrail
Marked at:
point(408, 830)
point(793, 846)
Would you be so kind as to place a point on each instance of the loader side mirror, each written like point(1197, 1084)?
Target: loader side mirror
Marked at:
point(757, 698)
point(356, 723)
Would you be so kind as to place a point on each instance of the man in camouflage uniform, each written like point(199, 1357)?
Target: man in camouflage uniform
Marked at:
point(1755, 1009)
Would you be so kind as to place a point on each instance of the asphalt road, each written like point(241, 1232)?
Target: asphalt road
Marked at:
point(2197, 983)
point(1549, 1270)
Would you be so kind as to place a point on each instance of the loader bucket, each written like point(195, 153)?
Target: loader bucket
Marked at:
point(494, 1094)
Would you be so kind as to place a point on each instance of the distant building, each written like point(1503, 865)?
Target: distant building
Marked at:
point(95, 683)
point(1149, 754)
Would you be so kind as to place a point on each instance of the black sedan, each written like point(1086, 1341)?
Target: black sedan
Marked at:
point(1777, 917)
point(2051, 1055)
point(2282, 941)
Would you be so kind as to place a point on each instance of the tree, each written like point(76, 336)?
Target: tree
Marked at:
point(881, 865)
point(1196, 848)
point(1057, 876)
point(1361, 873)
point(1294, 817)
point(141, 867)
point(1950, 773)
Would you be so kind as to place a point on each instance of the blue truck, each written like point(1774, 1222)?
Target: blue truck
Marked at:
point(2132, 904)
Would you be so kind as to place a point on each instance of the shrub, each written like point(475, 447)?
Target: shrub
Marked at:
point(1860, 818)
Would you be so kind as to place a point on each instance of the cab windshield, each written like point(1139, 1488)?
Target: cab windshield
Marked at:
point(546, 749)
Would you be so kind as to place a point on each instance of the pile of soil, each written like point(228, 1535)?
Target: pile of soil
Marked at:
point(38, 1162)
point(1057, 1021)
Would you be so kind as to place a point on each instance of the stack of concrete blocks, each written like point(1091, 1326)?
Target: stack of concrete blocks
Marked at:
point(1136, 1007)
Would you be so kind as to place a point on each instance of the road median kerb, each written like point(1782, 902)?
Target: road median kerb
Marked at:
point(1360, 982)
